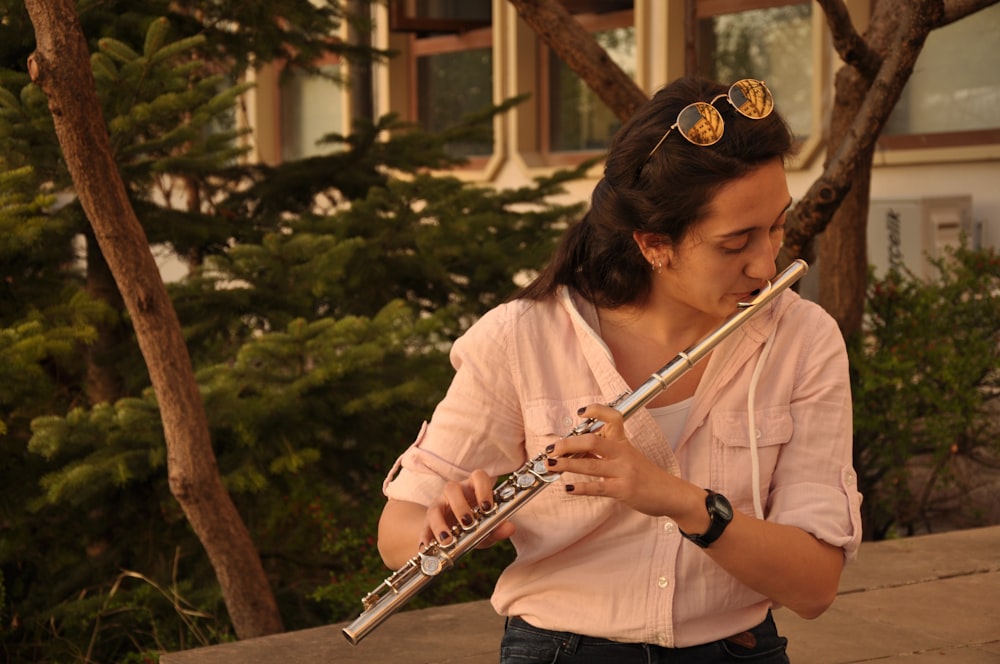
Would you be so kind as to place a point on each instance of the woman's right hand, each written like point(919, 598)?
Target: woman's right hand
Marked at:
point(457, 506)
point(405, 528)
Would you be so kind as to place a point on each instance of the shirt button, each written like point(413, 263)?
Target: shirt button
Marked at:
point(567, 420)
point(757, 433)
point(663, 582)
point(669, 527)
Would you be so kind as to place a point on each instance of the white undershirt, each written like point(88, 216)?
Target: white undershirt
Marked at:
point(672, 419)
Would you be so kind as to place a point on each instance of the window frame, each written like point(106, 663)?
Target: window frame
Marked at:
point(592, 23)
point(451, 43)
point(907, 148)
point(402, 20)
point(328, 59)
point(950, 139)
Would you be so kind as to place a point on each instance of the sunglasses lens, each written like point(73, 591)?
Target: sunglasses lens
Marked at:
point(700, 123)
point(751, 98)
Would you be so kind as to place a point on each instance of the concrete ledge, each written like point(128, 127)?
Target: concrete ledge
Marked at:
point(929, 598)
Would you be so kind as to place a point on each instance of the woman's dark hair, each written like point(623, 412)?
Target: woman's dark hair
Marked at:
point(663, 193)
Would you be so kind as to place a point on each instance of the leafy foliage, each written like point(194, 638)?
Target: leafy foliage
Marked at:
point(926, 381)
point(357, 567)
point(321, 300)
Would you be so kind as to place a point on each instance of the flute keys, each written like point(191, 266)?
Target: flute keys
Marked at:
point(430, 565)
point(525, 480)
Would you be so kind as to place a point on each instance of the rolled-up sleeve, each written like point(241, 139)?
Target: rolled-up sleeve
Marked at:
point(815, 485)
point(478, 425)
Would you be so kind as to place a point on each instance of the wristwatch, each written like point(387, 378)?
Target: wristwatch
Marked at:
point(720, 512)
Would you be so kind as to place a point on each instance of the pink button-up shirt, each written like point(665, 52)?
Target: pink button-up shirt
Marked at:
point(592, 565)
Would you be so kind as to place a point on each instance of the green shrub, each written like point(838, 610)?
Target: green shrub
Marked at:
point(926, 377)
point(356, 568)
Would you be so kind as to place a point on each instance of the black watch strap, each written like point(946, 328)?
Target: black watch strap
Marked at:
point(720, 512)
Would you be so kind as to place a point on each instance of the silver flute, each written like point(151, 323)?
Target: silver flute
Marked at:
point(523, 484)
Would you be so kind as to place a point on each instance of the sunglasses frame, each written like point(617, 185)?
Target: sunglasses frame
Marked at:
point(706, 110)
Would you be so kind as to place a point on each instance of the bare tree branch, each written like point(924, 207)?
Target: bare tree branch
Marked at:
point(851, 47)
point(581, 52)
point(814, 211)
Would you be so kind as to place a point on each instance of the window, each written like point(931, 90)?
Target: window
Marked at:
point(447, 66)
point(454, 77)
point(311, 108)
point(439, 16)
point(760, 40)
point(953, 96)
point(576, 119)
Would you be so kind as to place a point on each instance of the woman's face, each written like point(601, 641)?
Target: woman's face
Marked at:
point(731, 252)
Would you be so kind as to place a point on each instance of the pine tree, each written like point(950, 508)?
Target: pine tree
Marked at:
point(319, 336)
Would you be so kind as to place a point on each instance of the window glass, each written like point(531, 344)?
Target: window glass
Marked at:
point(310, 108)
point(578, 119)
point(453, 84)
point(772, 44)
point(470, 10)
point(596, 6)
point(955, 84)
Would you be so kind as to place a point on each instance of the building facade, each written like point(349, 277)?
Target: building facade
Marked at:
point(936, 172)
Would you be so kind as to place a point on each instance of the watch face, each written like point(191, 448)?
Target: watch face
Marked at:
point(722, 507)
point(720, 512)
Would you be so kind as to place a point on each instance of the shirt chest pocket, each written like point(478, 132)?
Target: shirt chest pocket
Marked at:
point(547, 421)
point(732, 454)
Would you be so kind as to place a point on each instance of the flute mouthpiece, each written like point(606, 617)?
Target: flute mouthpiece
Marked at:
point(747, 305)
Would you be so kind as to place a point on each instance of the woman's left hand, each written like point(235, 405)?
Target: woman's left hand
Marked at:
point(619, 470)
point(782, 562)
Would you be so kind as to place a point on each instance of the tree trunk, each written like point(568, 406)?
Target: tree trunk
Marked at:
point(843, 246)
point(61, 67)
point(359, 26)
point(581, 53)
point(877, 68)
point(104, 381)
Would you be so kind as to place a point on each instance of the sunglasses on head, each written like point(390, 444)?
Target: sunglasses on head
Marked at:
point(701, 123)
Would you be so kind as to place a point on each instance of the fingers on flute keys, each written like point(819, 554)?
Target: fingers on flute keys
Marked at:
point(586, 454)
point(459, 508)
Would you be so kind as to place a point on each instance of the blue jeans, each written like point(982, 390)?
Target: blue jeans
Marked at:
point(524, 644)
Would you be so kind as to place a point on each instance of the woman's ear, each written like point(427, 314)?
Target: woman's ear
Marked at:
point(655, 248)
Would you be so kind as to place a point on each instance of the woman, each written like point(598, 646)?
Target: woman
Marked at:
point(669, 536)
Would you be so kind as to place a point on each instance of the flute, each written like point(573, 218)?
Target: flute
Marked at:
point(523, 484)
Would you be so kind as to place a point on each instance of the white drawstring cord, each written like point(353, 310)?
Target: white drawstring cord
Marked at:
point(754, 461)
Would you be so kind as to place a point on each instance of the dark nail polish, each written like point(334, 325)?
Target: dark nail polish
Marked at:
point(569, 487)
point(486, 506)
point(550, 449)
point(444, 536)
point(467, 520)
point(582, 411)
point(551, 462)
